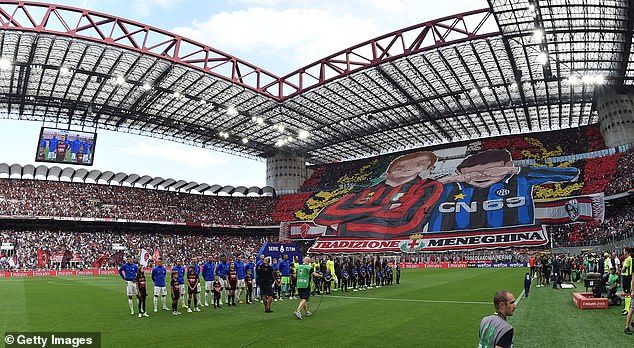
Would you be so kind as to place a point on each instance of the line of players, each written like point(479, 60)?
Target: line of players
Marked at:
point(80, 149)
point(232, 278)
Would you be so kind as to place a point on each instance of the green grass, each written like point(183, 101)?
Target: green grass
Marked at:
point(430, 308)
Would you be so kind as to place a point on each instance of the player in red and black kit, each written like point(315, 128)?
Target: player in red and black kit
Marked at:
point(175, 293)
point(80, 155)
point(277, 286)
point(217, 288)
point(293, 281)
point(62, 147)
point(248, 279)
point(141, 292)
point(192, 290)
point(232, 280)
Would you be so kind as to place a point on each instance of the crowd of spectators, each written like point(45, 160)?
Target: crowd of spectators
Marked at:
point(623, 179)
point(91, 246)
point(618, 223)
point(287, 205)
point(64, 199)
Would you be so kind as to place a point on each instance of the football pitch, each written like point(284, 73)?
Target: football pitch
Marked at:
point(430, 308)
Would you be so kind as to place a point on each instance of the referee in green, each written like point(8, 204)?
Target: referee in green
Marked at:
point(304, 274)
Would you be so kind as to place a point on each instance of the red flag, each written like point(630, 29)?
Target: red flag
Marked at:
point(100, 261)
point(42, 258)
point(157, 256)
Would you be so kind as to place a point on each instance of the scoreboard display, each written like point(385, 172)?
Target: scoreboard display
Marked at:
point(66, 146)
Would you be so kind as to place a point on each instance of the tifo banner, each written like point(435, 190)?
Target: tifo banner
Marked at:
point(484, 201)
point(571, 209)
point(478, 239)
point(305, 230)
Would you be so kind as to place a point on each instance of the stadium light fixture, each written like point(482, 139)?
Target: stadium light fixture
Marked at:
point(587, 79)
point(259, 120)
point(474, 91)
point(202, 102)
point(5, 64)
point(599, 79)
point(176, 94)
point(514, 85)
point(573, 80)
point(245, 140)
point(147, 87)
point(303, 134)
point(542, 58)
point(538, 35)
point(231, 111)
point(531, 9)
point(290, 139)
point(64, 70)
point(280, 128)
point(224, 135)
point(119, 80)
point(485, 89)
point(253, 118)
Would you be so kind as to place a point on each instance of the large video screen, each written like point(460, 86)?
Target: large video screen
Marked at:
point(66, 146)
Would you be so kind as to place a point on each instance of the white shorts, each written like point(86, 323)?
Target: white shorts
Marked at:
point(181, 289)
point(241, 283)
point(130, 288)
point(223, 283)
point(160, 291)
point(208, 286)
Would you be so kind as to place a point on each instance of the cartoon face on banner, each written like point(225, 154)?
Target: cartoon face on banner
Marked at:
point(396, 205)
point(487, 191)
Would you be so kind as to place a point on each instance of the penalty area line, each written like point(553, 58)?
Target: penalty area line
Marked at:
point(410, 300)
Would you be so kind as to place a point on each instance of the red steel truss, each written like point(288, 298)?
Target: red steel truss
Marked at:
point(104, 28)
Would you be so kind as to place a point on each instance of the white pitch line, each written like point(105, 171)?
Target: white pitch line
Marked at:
point(410, 300)
point(517, 303)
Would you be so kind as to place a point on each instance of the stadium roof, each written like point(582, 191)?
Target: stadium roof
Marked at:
point(516, 67)
point(68, 174)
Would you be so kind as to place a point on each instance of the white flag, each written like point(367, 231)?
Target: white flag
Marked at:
point(144, 258)
point(12, 262)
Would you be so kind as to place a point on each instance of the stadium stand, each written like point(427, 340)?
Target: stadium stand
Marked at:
point(90, 246)
point(619, 222)
point(31, 198)
point(623, 179)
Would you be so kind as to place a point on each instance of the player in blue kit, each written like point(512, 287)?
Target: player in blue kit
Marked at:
point(209, 277)
point(362, 276)
point(345, 278)
point(489, 192)
point(128, 273)
point(285, 270)
point(75, 147)
point(87, 151)
point(158, 277)
point(369, 274)
point(355, 278)
point(240, 270)
point(222, 268)
point(40, 150)
point(52, 147)
point(180, 271)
